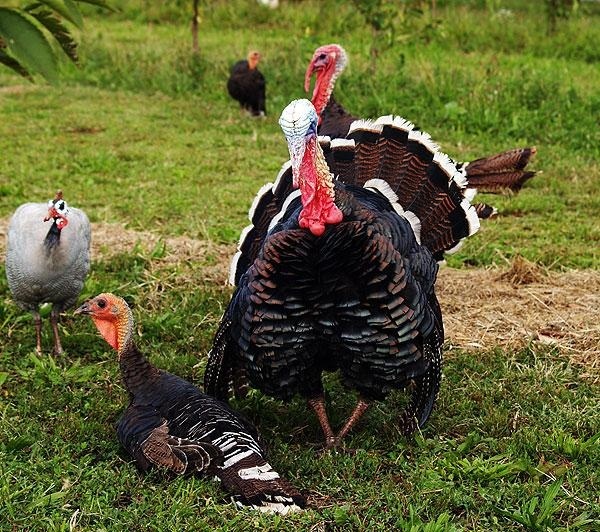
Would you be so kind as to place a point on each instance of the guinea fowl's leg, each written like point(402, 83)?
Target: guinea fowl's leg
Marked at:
point(54, 317)
point(359, 410)
point(318, 406)
point(37, 319)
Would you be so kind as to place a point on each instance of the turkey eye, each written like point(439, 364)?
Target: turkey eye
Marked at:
point(322, 56)
point(102, 303)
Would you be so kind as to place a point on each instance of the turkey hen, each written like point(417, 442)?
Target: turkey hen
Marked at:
point(247, 85)
point(339, 274)
point(495, 174)
point(47, 264)
point(170, 423)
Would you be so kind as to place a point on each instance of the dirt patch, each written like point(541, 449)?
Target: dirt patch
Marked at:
point(17, 89)
point(113, 239)
point(506, 307)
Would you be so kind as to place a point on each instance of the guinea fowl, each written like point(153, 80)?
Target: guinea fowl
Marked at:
point(495, 174)
point(340, 274)
point(246, 84)
point(47, 264)
point(170, 423)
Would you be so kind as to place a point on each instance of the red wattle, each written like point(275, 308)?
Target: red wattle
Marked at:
point(319, 211)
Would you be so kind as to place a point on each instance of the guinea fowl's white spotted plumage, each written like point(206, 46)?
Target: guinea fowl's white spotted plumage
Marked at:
point(47, 261)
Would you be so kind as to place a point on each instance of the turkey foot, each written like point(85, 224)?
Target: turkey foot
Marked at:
point(318, 406)
point(359, 410)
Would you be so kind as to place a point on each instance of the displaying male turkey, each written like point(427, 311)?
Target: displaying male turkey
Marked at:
point(47, 264)
point(247, 85)
point(340, 274)
point(497, 173)
point(170, 423)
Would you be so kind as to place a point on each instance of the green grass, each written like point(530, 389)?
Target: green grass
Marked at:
point(143, 135)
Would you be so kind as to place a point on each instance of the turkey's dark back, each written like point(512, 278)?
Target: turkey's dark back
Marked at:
point(248, 87)
point(335, 120)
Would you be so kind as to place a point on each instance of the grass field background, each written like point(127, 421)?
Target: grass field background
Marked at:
point(143, 137)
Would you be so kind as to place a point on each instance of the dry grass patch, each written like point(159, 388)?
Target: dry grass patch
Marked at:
point(493, 307)
point(109, 240)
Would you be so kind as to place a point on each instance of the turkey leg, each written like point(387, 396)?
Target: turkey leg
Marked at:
point(318, 406)
point(54, 317)
point(359, 410)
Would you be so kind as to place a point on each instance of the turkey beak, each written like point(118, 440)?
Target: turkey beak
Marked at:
point(296, 148)
point(84, 309)
point(308, 76)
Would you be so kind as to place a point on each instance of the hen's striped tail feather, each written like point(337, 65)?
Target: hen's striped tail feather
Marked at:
point(258, 485)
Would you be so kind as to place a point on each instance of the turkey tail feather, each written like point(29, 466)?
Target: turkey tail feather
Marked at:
point(501, 172)
point(485, 211)
point(255, 483)
point(219, 369)
point(267, 204)
point(426, 181)
point(425, 390)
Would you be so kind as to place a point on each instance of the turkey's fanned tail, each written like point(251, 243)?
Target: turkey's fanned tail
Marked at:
point(503, 172)
point(267, 203)
point(424, 181)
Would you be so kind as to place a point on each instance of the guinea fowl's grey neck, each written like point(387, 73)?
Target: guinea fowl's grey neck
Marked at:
point(52, 237)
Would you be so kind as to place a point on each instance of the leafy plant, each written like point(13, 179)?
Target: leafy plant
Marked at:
point(559, 9)
point(536, 515)
point(28, 35)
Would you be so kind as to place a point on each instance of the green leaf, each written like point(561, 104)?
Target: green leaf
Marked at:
point(66, 8)
point(27, 43)
point(99, 3)
point(59, 31)
point(3, 377)
point(13, 64)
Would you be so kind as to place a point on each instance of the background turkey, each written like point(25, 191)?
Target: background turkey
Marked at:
point(47, 263)
point(339, 275)
point(247, 85)
point(498, 173)
point(170, 423)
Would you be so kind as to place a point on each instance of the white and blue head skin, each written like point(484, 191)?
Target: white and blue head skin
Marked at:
point(299, 124)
